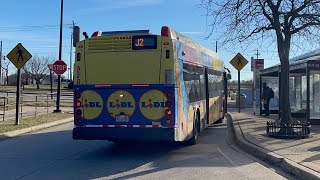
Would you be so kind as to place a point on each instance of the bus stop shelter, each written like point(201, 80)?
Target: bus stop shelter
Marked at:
point(304, 87)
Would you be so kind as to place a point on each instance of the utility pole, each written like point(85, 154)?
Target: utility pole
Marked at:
point(257, 53)
point(1, 63)
point(70, 67)
point(255, 82)
point(57, 110)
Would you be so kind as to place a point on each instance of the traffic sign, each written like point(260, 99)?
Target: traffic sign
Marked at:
point(259, 64)
point(239, 62)
point(59, 67)
point(19, 55)
point(50, 66)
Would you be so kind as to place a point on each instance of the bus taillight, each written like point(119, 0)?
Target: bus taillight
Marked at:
point(78, 121)
point(169, 95)
point(77, 95)
point(78, 104)
point(168, 111)
point(168, 103)
point(79, 112)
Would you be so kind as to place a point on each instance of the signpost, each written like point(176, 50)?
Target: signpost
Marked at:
point(50, 66)
point(59, 67)
point(238, 62)
point(18, 56)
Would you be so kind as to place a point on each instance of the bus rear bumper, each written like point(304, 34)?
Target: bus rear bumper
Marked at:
point(99, 133)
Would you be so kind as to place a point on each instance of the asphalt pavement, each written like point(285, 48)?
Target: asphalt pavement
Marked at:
point(52, 154)
point(300, 157)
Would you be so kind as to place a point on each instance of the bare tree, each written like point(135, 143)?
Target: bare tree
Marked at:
point(37, 68)
point(281, 20)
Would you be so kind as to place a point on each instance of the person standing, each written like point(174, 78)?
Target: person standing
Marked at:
point(267, 94)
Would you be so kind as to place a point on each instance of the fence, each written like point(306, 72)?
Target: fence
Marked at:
point(294, 131)
point(31, 104)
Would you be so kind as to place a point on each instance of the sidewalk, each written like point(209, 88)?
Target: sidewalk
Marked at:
point(300, 157)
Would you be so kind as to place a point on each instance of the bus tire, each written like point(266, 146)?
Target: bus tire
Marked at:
point(194, 139)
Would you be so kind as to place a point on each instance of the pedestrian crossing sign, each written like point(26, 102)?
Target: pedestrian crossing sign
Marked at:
point(238, 62)
point(19, 55)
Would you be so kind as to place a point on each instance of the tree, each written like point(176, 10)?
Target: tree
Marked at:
point(37, 68)
point(283, 20)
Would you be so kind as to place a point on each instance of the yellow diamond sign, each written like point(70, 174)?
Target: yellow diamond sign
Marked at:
point(19, 55)
point(238, 62)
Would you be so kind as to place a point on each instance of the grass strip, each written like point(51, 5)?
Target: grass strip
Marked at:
point(9, 125)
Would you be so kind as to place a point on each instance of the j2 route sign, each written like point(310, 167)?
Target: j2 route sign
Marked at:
point(59, 67)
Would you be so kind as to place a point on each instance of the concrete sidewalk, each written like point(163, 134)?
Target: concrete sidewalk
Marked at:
point(301, 157)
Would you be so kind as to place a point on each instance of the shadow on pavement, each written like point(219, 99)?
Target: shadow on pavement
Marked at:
point(55, 155)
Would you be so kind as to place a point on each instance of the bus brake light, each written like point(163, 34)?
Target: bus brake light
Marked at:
point(165, 31)
point(168, 111)
point(77, 95)
point(78, 104)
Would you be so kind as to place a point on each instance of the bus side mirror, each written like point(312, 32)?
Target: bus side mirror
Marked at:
point(76, 35)
point(228, 76)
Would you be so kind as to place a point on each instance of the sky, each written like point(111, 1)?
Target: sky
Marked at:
point(35, 24)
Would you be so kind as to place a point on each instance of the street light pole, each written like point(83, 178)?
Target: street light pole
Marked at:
point(70, 74)
point(57, 110)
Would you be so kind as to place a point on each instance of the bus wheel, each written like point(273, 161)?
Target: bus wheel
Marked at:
point(195, 131)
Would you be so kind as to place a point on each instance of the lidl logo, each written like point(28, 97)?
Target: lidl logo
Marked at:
point(92, 104)
point(152, 104)
point(87, 104)
point(121, 102)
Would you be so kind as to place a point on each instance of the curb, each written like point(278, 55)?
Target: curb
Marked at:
point(18, 132)
point(286, 164)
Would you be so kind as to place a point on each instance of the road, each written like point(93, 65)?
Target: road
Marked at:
point(52, 154)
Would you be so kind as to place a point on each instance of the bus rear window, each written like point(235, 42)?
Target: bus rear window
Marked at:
point(144, 42)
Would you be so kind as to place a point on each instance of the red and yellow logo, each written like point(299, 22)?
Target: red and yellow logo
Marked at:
point(92, 104)
point(121, 102)
point(152, 104)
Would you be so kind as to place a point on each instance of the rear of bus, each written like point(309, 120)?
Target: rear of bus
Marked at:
point(124, 87)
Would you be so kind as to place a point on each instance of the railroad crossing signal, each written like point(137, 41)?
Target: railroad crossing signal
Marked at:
point(59, 67)
point(238, 62)
point(19, 55)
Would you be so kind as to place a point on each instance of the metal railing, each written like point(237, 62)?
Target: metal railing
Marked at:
point(297, 130)
point(38, 101)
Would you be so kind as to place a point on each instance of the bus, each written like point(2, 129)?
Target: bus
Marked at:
point(135, 85)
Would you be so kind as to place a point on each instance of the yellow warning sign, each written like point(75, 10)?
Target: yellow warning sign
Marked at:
point(238, 62)
point(19, 55)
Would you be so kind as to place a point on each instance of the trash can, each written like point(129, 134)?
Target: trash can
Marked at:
point(242, 101)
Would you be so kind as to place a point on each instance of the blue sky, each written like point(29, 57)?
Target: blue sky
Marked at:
point(20, 18)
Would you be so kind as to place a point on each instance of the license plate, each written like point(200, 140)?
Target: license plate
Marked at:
point(122, 118)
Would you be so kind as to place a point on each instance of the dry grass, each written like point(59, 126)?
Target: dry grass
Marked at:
point(9, 125)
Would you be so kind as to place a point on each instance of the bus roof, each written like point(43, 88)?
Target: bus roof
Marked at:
point(109, 33)
point(180, 37)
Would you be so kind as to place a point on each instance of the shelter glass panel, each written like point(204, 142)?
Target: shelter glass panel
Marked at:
point(315, 94)
point(272, 82)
